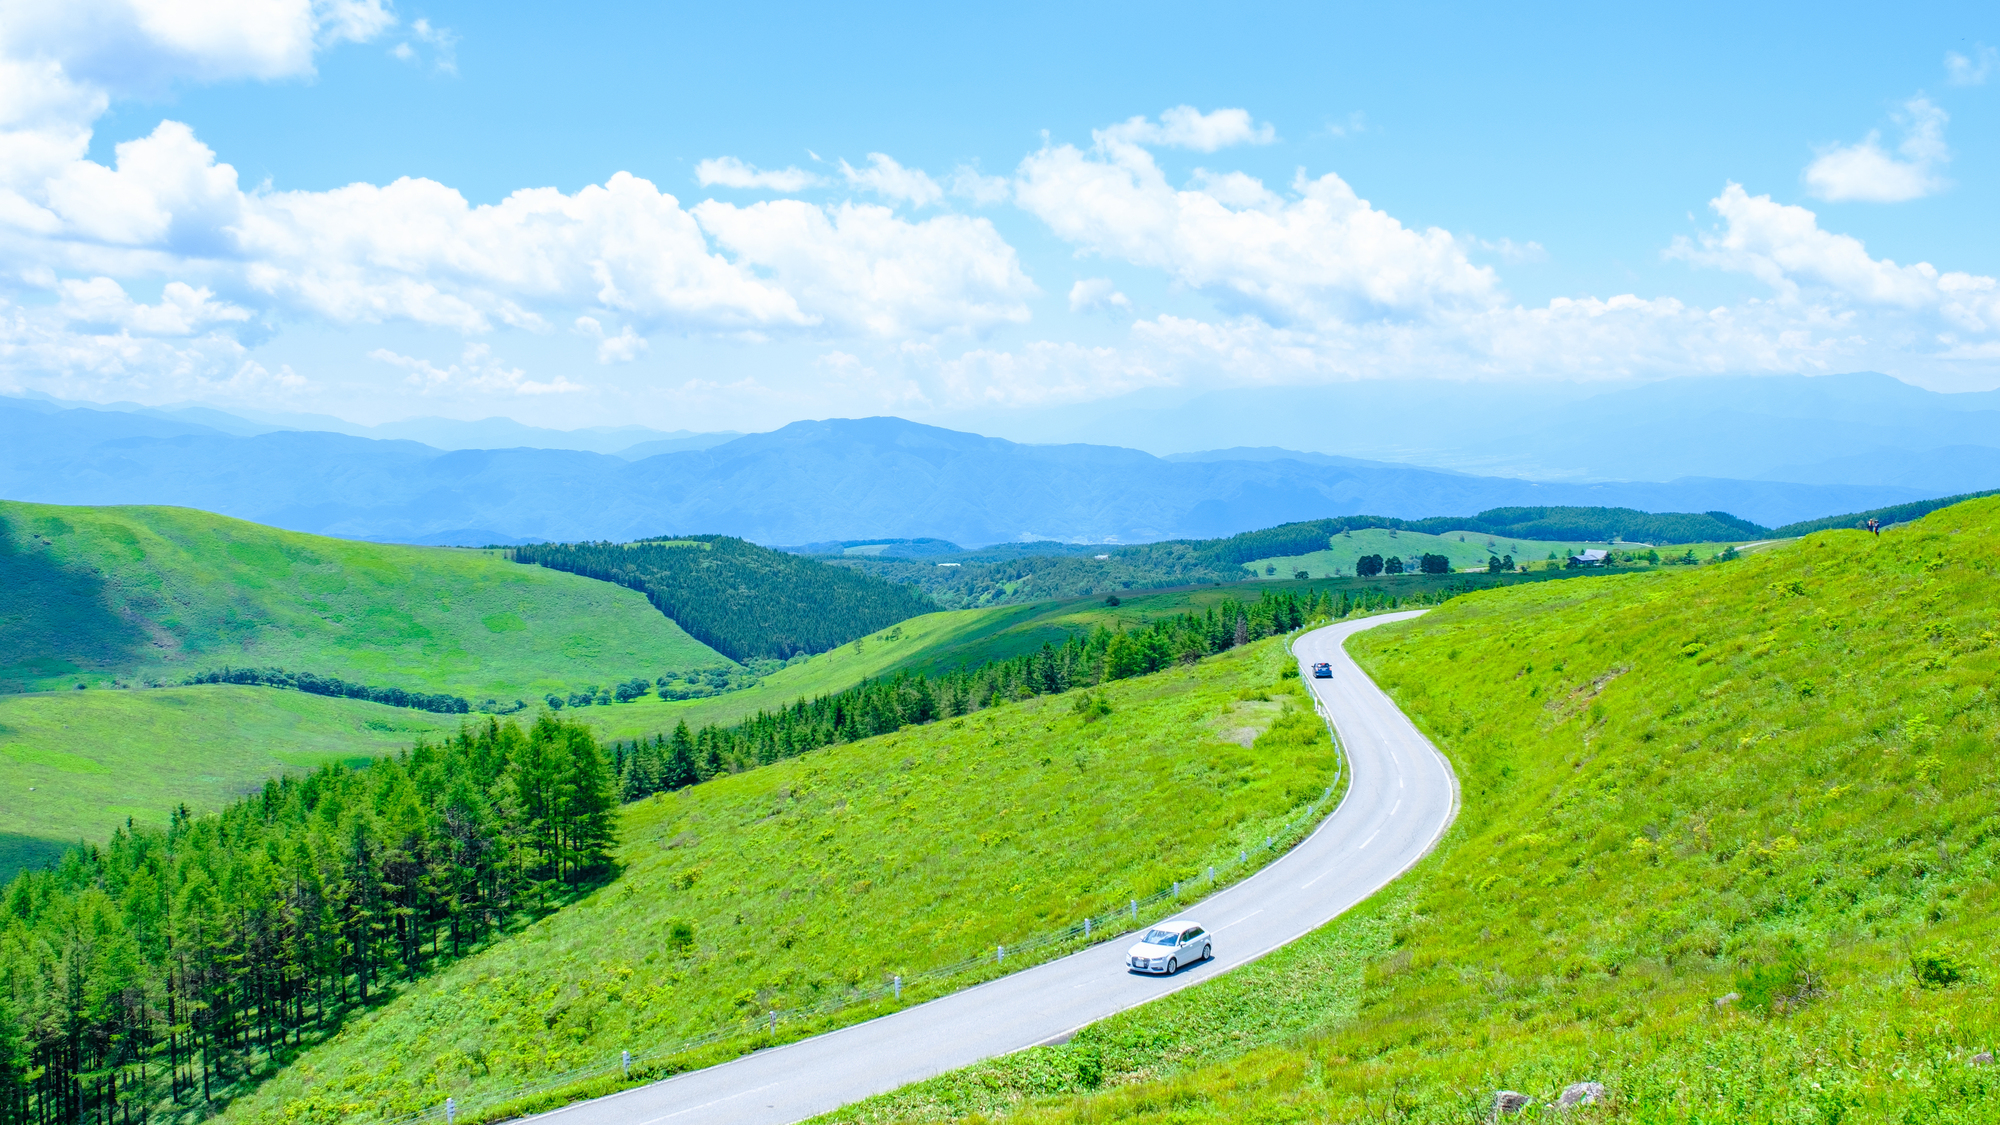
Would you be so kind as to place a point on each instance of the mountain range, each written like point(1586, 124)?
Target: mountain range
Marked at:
point(1854, 428)
point(806, 482)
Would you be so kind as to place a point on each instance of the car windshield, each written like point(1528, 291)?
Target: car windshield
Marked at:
point(1162, 937)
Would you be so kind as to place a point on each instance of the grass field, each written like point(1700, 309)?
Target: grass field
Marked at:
point(937, 642)
point(1465, 549)
point(800, 881)
point(75, 764)
point(1728, 847)
point(134, 595)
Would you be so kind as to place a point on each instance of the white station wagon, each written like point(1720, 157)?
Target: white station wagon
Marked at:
point(1169, 946)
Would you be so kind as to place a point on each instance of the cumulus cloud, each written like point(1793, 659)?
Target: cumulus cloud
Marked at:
point(1324, 251)
point(183, 310)
point(139, 46)
point(1184, 126)
point(622, 348)
point(891, 180)
point(1867, 173)
point(863, 267)
point(1096, 293)
point(1784, 246)
point(728, 171)
point(1964, 70)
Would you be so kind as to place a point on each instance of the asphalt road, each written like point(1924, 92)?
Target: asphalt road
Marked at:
point(1401, 797)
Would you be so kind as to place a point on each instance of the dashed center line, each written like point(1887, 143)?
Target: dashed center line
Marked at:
point(1370, 839)
point(1245, 918)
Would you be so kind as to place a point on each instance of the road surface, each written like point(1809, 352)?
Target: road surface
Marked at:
point(1401, 796)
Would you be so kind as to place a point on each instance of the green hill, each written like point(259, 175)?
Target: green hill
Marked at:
point(76, 764)
point(926, 848)
point(139, 595)
point(1727, 847)
point(747, 601)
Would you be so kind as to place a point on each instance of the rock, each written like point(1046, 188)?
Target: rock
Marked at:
point(1581, 1093)
point(1507, 1103)
point(1983, 1058)
point(1726, 1000)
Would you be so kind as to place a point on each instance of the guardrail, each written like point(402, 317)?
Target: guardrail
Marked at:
point(1087, 931)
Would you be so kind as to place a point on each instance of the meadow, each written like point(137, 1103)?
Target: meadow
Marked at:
point(76, 764)
point(1465, 549)
point(803, 881)
point(1728, 847)
point(148, 595)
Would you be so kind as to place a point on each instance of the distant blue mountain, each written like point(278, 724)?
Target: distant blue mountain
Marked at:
point(810, 482)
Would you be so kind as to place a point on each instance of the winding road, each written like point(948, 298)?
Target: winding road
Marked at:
point(1401, 796)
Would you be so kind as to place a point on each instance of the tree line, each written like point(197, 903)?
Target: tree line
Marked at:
point(744, 601)
point(669, 761)
point(162, 968)
point(315, 684)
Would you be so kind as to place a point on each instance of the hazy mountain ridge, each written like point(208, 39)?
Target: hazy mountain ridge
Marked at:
point(806, 483)
point(1739, 427)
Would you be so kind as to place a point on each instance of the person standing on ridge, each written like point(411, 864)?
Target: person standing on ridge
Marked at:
point(1875, 528)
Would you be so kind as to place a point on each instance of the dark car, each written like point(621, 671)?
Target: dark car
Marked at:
point(1322, 671)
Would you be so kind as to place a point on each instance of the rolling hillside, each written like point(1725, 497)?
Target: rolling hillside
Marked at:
point(1727, 848)
point(802, 882)
point(151, 595)
point(75, 764)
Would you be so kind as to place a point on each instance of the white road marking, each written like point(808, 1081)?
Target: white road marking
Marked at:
point(1398, 805)
point(1370, 839)
point(1245, 918)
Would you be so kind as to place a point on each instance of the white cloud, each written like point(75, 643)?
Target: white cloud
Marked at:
point(1865, 172)
point(1095, 293)
point(891, 180)
point(967, 182)
point(140, 46)
point(442, 41)
point(1187, 127)
point(1043, 373)
point(1324, 252)
point(476, 370)
point(1784, 247)
point(728, 171)
point(1961, 70)
point(1512, 251)
point(861, 267)
point(622, 348)
point(183, 310)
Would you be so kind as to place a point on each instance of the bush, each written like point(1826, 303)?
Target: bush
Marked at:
point(1940, 966)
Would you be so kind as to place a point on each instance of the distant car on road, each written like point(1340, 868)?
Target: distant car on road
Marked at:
point(1170, 945)
point(1322, 671)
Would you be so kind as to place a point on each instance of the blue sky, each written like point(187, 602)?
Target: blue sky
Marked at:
point(1065, 207)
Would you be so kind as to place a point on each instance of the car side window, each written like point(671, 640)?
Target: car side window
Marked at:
point(1191, 934)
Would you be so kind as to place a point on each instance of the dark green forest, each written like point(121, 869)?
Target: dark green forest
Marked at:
point(744, 601)
point(685, 757)
point(313, 684)
point(170, 966)
point(1024, 572)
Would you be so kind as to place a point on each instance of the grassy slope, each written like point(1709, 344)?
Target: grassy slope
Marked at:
point(146, 593)
point(1463, 548)
point(1772, 778)
point(75, 764)
point(884, 856)
point(937, 642)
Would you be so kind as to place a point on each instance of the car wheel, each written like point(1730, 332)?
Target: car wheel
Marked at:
point(1172, 964)
point(1207, 952)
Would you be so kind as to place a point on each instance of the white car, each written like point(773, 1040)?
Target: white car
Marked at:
point(1170, 945)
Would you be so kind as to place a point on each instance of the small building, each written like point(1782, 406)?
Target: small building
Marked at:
point(1591, 558)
